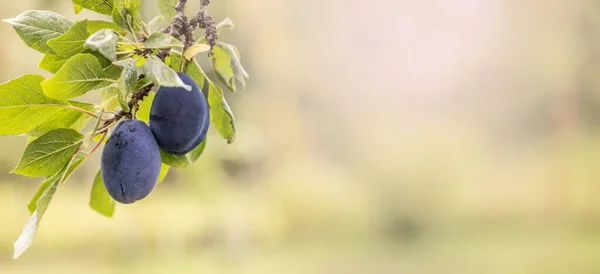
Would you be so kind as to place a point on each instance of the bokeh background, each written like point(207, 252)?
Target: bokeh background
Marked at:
point(390, 136)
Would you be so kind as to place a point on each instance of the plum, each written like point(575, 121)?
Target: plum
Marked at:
point(179, 118)
point(130, 162)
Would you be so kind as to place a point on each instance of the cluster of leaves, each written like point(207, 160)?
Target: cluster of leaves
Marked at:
point(120, 59)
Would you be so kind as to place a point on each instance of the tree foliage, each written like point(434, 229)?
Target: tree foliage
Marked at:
point(126, 59)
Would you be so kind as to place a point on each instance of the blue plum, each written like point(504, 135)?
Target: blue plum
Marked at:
point(179, 118)
point(130, 162)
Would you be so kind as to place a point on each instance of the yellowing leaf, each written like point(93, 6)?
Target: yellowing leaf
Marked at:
point(195, 49)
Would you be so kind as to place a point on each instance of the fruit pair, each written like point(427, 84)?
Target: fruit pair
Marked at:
point(131, 162)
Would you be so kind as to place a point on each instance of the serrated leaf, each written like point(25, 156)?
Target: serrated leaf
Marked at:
point(39, 205)
point(77, 8)
point(110, 98)
point(96, 25)
point(99, 6)
point(226, 63)
point(71, 42)
point(178, 161)
point(104, 41)
point(127, 82)
point(78, 75)
point(37, 27)
point(167, 8)
point(143, 112)
point(65, 119)
point(197, 151)
point(162, 74)
point(100, 200)
point(126, 14)
point(220, 113)
point(164, 169)
point(24, 107)
point(49, 153)
point(194, 50)
point(159, 40)
point(52, 63)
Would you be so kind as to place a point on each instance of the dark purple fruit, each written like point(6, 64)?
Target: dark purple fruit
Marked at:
point(179, 118)
point(130, 162)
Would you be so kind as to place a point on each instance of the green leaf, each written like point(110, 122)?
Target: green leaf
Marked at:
point(162, 74)
point(143, 112)
point(37, 27)
point(178, 161)
point(24, 107)
point(112, 72)
point(99, 6)
point(52, 63)
point(49, 153)
point(40, 202)
point(73, 118)
point(164, 169)
point(127, 82)
point(226, 63)
point(167, 8)
point(77, 8)
point(96, 25)
point(71, 42)
point(220, 113)
point(196, 152)
point(78, 75)
point(32, 206)
point(104, 41)
point(100, 200)
point(159, 40)
point(126, 14)
point(110, 98)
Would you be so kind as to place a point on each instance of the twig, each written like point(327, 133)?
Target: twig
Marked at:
point(133, 104)
point(181, 29)
point(205, 21)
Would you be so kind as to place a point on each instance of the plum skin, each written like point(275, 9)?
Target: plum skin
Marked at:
point(130, 162)
point(179, 118)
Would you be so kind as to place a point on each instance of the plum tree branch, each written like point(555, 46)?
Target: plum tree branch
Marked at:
point(181, 29)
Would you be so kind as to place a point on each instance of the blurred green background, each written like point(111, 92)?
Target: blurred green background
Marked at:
point(389, 136)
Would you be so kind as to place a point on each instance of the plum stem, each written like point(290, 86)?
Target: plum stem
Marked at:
point(98, 144)
point(89, 113)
